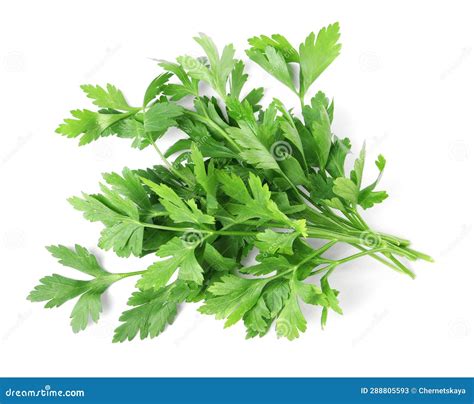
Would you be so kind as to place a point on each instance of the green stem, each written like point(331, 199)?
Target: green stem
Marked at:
point(326, 247)
point(331, 235)
point(355, 222)
point(301, 98)
point(380, 259)
point(401, 242)
point(335, 219)
point(361, 254)
point(169, 165)
point(304, 261)
point(420, 255)
point(359, 218)
point(314, 232)
point(326, 268)
point(127, 274)
point(405, 270)
point(212, 125)
point(347, 259)
point(189, 229)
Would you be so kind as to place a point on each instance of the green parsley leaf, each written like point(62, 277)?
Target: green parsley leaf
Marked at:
point(110, 97)
point(180, 211)
point(317, 53)
point(291, 321)
point(346, 189)
point(356, 173)
point(259, 204)
point(156, 87)
point(279, 42)
point(337, 157)
point(331, 295)
point(181, 255)
point(232, 297)
point(368, 197)
point(91, 125)
point(208, 180)
point(273, 61)
point(158, 119)
point(152, 312)
point(78, 258)
point(238, 79)
point(123, 232)
point(255, 153)
point(57, 289)
point(272, 242)
point(129, 185)
point(267, 265)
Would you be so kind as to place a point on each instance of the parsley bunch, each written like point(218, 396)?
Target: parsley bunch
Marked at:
point(246, 178)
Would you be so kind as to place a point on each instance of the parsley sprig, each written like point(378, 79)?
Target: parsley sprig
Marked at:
point(245, 178)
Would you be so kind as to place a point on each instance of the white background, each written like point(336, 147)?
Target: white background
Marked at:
point(404, 83)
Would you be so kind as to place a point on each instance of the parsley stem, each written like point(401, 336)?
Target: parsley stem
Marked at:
point(359, 218)
point(328, 214)
point(401, 266)
point(420, 255)
point(354, 220)
point(380, 259)
point(315, 232)
point(360, 254)
point(318, 271)
point(336, 263)
point(326, 247)
point(309, 257)
point(127, 274)
point(319, 216)
point(301, 98)
point(401, 242)
point(169, 165)
point(212, 125)
point(190, 229)
point(331, 235)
